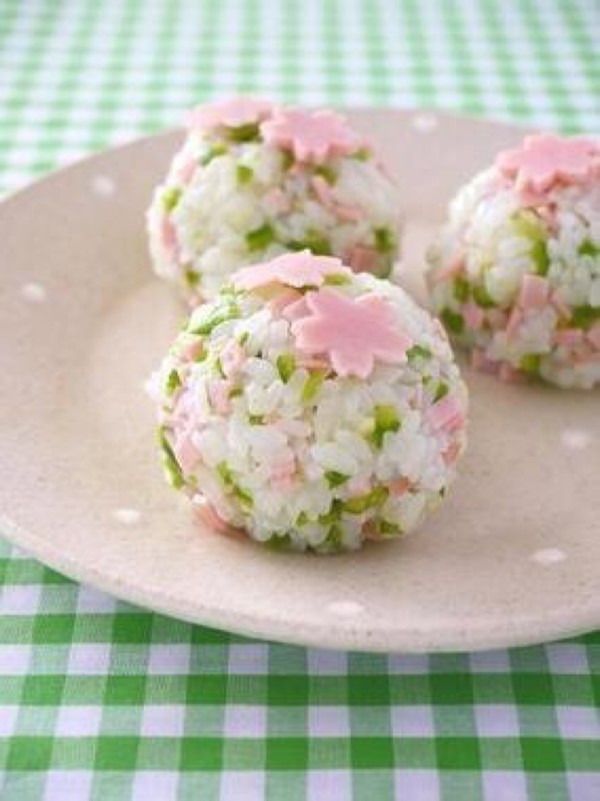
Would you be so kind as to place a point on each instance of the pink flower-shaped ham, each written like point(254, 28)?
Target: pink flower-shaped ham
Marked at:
point(547, 159)
point(353, 332)
point(312, 136)
point(233, 112)
point(291, 269)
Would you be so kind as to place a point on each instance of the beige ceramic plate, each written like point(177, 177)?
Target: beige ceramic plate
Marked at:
point(512, 556)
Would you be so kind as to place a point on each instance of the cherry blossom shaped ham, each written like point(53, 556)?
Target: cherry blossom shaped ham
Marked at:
point(233, 112)
point(353, 332)
point(291, 269)
point(312, 136)
point(546, 159)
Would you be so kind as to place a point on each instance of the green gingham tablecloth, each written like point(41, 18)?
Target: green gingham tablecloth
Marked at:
point(99, 699)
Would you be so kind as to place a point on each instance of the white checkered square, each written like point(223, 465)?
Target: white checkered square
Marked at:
point(163, 720)
point(246, 785)
point(245, 721)
point(78, 721)
point(328, 721)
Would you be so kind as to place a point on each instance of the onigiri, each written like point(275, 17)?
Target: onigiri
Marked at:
point(515, 275)
point(311, 407)
point(253, 180)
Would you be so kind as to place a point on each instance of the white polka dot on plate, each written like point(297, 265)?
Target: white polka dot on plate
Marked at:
point(345, 608)
point(34, 293)
point(103, 185)
point(548, 556)
point(129, 517)
point(424, 123)
point(575, 439)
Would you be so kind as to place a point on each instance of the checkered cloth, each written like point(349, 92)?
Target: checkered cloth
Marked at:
point(101, 700)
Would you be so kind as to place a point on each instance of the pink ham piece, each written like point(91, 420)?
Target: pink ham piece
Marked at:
point(233, 112)
point(363, 259)
point(560, 305)
point(186, 170)
point(568, 337)
point(283, 474)
point(446, 415)
point(169, 239)
point(191, 350)
point(207, 515)
point(325, 195)
point(186, 453)
point(473, 315)
point(354, 332)
point(593, 336)
point(449, 270)
point(497, 318)
point(399, 486)
point(232, 358)
point(509, 374)
point(296, 311)
point(277, 201)
point(218, 394)
point(283, 300)
point(534, 291)
point(514, 322)
point(546, 159)
point(312, 136)
point(451, 454)
point(291, 269)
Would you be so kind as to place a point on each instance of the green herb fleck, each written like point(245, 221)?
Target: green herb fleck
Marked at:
point(384, 240)
point(328, 173)
point(243, 133)
point(256, 419)
point(452, 320)
point(334, 538)
point(244, 174)
point(541, 259)
point(361, 503)
point(287, 160)
point(418, 352)
point(192, 278)
point(302, 519)
point(279, 542)
point(334, 513)
point(588, 248)
point(441, 391)
point(286, 364)
point(260, 238)
point(242, 495)
point(224, 472)
point(173, 383)
point(585, 316)
point(173, 472)
point(335, 479)
point(530, 363)
point(171, 197)
point(386, 419)
point(462, 289)
point(207, 318)
point(337, 279)
point(387, 529)
point(218, 149)
point(362, 154)
point(313, 241)
point(482, 297)
point(312, 385)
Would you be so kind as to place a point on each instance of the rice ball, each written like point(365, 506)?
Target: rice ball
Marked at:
point(311, 407)
point(253, 180)
point(515, 275)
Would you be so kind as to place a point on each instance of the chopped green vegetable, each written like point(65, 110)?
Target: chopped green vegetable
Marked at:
point(418, 352)
point(242, 495)
point(527, 224)
point(334, 538)
point(236, 392)
point(302, 519)
point(173, 471)
point(441, 391)
point(334, 513)
point(243, 133)
point(362, 154)
point(541, 259)
point(384, 240)
point(312, 385)
point(287, 160)
point(279, 542)
point(387, 529)
point(530, 363)
point(482, 297)
point(256, 419)
point(313, 241)
point(244, 338)
point(585, 316)
point(173, 382)
point(361, 503)
point(328, 173)
point(589, 248)
point(244, 174)
point(335, 479)
point(452, 320)
point(462, 289)
point(260, 238)
point(171, 198)
point(337, 279)
point(218, 149)
point(386, 419)
point(367, 426)
point(224, 472)
point(206, 318)
point(192, 278)
point(286, 364)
